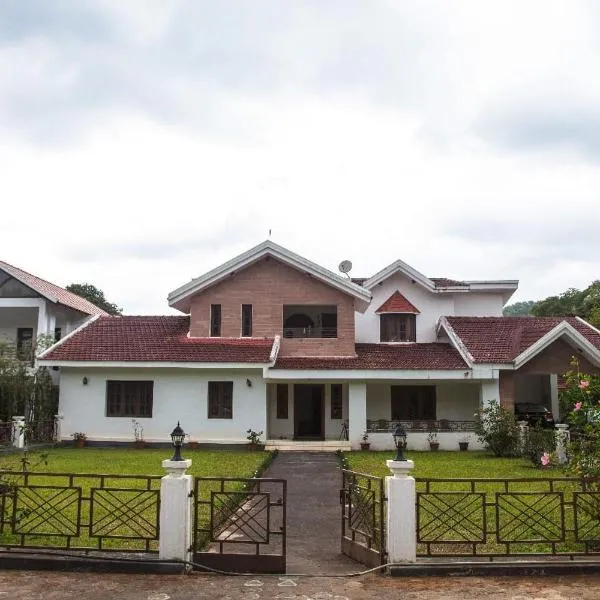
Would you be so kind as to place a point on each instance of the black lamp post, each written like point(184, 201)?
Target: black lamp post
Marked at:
point(399, 436)
point(177, 436)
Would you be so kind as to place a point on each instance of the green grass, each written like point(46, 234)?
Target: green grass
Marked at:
point(451, 465)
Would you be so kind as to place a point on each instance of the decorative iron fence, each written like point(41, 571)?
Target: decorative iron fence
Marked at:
point(6, 433)
point(507, 517)
point(363, 517)
point(79, 511)
point(310, 332)
point(40, 431)
point(239, 524)
point(384, 425)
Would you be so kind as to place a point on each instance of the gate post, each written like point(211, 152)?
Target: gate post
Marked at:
point(562, 438)
point(175, 539)
point(18, 434)
point(401, 520)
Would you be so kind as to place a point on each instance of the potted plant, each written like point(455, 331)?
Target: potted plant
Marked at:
point(79, 438)
point(432, 438)
point(253, 438)
point(365, 444)
point(138, 434)
point(463, 444)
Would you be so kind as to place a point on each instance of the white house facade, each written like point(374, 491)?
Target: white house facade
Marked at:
point(272, 342)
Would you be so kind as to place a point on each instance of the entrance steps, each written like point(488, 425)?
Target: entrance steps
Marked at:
point(308, 445)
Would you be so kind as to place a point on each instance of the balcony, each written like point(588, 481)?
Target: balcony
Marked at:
point(315, 321)
point(310, 332)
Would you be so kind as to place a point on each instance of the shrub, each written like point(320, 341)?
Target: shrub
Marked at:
point(539, 441)
point(495, 427)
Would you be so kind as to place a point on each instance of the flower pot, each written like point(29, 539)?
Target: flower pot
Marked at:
point(79, 443)
point(252, 447)
point(434, 446)
point(365, 445)
point(464, 446)
point(139, 444)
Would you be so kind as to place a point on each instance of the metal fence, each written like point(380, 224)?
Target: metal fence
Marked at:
point(384, 425)
point(79, 511)
point(6, 433)
point(507, 517)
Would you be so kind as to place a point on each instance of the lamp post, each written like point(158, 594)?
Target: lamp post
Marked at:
point(177, 436)
point(399, 436)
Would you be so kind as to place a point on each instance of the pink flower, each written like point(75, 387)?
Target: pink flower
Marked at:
point(578, 405)
point(583, 384)
point(545, 460)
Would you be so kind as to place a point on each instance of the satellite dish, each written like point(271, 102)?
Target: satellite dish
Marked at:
point(345, 267)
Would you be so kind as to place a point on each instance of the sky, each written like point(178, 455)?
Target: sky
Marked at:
point(145, 142)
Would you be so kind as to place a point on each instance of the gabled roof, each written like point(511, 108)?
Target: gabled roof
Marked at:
point(423, 357)
point(153, 339)
point(397, 303)
point(501, 340)
point(52, 292)
point(442, 284)
point(181, 297)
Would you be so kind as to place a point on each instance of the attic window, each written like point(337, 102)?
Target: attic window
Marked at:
point(397, 327)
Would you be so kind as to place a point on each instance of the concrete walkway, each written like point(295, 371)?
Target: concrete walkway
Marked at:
point(313, 512)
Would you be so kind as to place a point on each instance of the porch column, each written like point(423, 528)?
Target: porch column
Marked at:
point(42, 322)
point(554, 405)
point(357, 413)
point(489, 390)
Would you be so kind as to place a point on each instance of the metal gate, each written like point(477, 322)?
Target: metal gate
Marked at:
point(240, 524)
point(363, 518)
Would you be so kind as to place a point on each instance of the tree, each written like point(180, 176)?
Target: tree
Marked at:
point(95, 296)
point(572, 303)
point(518, 309)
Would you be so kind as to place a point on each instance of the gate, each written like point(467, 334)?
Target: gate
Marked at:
point(240, 524)
point(363, 518)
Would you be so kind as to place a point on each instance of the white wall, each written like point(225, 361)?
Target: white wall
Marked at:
point(11, 318)
point(179, 395)
point(456, 401)
point(473, 304)
point(431, 305)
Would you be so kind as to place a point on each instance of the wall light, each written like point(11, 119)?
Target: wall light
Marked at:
point(248, 383)
point(84, 381)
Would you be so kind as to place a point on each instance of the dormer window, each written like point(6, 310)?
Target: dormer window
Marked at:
point(397, 319)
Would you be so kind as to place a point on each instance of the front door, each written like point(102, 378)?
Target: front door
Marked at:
point(309, 412)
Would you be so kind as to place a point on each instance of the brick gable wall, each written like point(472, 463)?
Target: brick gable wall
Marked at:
point(556, 358)
point(268, 285)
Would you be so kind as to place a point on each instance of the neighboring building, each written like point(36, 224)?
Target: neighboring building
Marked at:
point(31, 307)
point(275, 343)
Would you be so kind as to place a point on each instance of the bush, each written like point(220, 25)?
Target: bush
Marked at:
point(537, 442)
point(495, 427)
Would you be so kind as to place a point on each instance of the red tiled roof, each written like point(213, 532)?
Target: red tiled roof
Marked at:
point(155, 339)
point(397, 303)
point(47, 289)
point(384, 356)
point(445, 282)
point(502, 339)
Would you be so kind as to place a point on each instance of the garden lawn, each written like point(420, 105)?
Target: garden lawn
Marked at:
point(147, 461)
point(451, 465)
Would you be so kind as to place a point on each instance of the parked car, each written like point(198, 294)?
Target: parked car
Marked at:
point(534, 414)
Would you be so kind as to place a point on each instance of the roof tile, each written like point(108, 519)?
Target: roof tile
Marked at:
point(397, 303)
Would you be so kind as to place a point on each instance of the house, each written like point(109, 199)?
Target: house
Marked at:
point(31, 307)
point(273, 342)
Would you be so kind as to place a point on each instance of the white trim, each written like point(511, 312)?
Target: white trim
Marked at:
point(401, 266)
point(275, 349)
point(136, 364)
point(562, 329)
point(455, 340)
point(588, 324)
point(179, 298)
point(22, 302)
point(91, 320)
point(365, 374)
point(41, 292)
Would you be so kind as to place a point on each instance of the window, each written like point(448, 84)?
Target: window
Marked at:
point(413, 402)
point(282, 400)
point(220, 396)
point(24, 343)
point(397, 327)
point(57, 334)
point(129, 398)
point(246, 320)
point(309, 321)
point(215, 320)
point(336, 400)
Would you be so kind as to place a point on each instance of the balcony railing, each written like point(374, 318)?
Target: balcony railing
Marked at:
point(383, 425)
point(310, 332)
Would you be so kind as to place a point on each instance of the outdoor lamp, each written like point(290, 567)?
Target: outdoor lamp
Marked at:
point(399, 436)
point(177, 436)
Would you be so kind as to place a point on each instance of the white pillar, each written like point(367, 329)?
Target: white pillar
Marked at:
point(58, 427)
point(554, 404)
point(562, 438)
point(489, 390)
point(42, 323)
point(401, 519)
point(357, 413)
point(175, 511)
point(18, 436)
point(523, 431)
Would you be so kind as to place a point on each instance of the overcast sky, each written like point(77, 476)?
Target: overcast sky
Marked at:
point(145, 142)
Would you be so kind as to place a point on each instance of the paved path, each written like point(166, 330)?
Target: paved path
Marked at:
point(313, 512)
